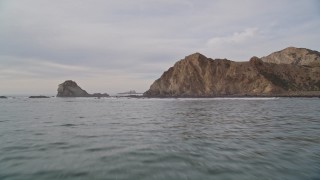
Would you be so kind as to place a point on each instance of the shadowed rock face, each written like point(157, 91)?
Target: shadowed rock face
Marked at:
point(197, 76)
point(71, 89)
point(296, 56)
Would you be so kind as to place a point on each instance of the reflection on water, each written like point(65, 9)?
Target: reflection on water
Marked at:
point(86, 138)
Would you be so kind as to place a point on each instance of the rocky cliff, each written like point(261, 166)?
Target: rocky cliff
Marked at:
point(197, 76)
point(296, 56)
point(70, 89)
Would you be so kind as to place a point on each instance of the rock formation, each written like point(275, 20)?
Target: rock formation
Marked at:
point(70, 89)
point(199, 76)
point(39, 96)
point(99, 95)
point(3, 97)
point(296, 56)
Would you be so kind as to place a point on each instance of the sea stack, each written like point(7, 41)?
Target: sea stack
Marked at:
point(199, 76)
point(70, 89)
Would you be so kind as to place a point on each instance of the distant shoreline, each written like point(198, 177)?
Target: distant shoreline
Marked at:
point(311, 95)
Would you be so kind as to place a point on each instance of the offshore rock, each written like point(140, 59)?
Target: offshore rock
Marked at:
point(39, 96)
point(199, 76)
point(99, 95)
point(70, 89)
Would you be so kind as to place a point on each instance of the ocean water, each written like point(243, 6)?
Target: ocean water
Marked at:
point(145, 139)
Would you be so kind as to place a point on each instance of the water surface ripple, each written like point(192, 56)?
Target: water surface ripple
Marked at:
point(123, 138)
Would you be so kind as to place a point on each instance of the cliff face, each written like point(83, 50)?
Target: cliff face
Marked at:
point(197, 75)
point(296, 56)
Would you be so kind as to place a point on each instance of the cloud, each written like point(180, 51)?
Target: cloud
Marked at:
point(17, 67)
point(235, 38)
point(61, 66)
point(9, 73)
point(124, 43)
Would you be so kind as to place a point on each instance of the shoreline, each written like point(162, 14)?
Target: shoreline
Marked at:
point(297, 95)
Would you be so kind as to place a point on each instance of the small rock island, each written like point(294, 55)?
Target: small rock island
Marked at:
point(71, 89)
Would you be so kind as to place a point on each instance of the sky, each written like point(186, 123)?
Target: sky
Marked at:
point(116, 46)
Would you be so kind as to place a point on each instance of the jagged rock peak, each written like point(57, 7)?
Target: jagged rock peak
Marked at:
point(200, 61)
point(196, 56)
point(70, 83)
point(296, 56)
